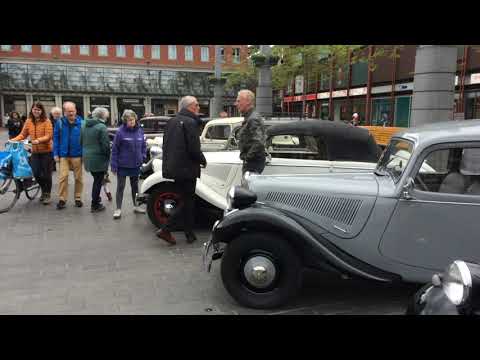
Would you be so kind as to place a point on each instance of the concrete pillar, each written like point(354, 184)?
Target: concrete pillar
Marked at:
point(434, 84)
point(86, 105)
point(113, 110)
point(264, 88)
point(58, 101)
point(29, 99)
point(148, 104)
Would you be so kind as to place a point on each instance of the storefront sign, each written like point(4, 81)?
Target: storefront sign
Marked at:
point(130, 101)
point(339, 93)
point(324, 95)
point(358, 91)
point(475, 78)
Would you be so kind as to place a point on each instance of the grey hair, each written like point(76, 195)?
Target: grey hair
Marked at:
point(56, 108)
point(100, 113)
point(248, 94)
point(128, 114)
point(69, 102)
point(186, 101)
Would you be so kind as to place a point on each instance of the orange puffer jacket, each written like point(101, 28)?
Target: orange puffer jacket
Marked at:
point(41, 131)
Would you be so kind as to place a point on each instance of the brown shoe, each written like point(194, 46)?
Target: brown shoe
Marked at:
point(167, 236)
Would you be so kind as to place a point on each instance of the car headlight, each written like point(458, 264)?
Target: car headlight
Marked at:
point(156, 151)
point(238, 197)
point(457, 282)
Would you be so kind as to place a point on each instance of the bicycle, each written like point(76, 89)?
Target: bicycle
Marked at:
point(10, 187)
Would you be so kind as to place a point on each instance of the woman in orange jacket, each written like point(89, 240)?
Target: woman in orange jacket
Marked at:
point(39, 128)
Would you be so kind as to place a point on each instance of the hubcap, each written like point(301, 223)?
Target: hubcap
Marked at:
point(169, 206)
point(259, 271)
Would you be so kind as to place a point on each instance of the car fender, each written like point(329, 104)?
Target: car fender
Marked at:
point(210, 196)
point(150, 182)
point(262, 218)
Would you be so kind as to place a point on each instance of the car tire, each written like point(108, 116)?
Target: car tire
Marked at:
point(251, 246)
point(155, 199)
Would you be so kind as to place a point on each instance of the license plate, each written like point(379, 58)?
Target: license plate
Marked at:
point(208, 251)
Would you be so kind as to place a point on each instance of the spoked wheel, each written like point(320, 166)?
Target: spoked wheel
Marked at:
point(162, 203)
point(32, 190)
point(261, 270)
point(9, 193)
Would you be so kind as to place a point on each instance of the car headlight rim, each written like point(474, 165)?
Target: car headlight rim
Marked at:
point(230, 198)
point(457, 282)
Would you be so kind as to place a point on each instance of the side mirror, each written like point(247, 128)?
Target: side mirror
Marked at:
point(407, 188)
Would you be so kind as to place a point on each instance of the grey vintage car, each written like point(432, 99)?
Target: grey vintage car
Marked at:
point(407, 220)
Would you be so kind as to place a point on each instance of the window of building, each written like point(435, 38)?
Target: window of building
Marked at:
point(222, 54)
point(188, 53)
point(84, 50)
point(120, 49)
point(155, 51)
point(102, 50)
point(138, 51)
point(26, 48)
point(46, 49)
point(172, 52)
point(204, 54)
point(65, 49)
point(236, 55)
point(6, 47)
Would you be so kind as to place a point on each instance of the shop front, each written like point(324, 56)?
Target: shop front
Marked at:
point(15, 103)
point(164, 107)
point(48, 102)
point(135, 104)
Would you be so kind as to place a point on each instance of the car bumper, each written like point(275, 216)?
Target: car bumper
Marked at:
point(432, 300)
point(211, 251)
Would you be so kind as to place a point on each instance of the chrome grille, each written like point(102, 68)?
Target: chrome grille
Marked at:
point(340, 209)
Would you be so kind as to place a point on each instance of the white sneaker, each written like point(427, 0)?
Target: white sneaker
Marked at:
point(139, 210)
point(117, 213)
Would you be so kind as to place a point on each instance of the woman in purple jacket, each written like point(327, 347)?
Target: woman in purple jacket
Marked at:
point(129, 150)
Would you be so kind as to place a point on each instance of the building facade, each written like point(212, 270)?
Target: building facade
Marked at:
point(387, 89)
point(144, 78)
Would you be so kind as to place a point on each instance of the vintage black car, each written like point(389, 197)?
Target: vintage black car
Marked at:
point(456, 291)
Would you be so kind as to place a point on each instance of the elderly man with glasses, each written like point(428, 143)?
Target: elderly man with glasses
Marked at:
point(182, 159)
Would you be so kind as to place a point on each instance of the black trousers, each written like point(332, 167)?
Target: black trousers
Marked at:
point(97, 187)
point(121, 181)
point(186, 190)
point(42, 165)
point(254, 165)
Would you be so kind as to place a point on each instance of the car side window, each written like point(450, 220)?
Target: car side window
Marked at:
point(219, 132)
point(297, 147)
point(451, 171)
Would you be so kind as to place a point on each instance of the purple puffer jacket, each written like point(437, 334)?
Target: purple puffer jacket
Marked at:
point(129, 149)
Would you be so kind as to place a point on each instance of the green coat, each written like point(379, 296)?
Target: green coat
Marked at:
point(96, 146)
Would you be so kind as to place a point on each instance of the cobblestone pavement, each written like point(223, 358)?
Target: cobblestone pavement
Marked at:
point(75, 262)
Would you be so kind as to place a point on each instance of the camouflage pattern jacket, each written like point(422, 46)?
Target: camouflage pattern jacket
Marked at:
point(252, 137)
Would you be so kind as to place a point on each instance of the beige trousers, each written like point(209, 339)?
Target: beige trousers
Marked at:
point(67, 164)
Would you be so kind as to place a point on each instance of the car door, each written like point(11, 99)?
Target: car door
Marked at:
point(440, 222)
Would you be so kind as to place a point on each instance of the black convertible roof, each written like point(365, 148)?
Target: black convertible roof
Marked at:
point(343, 141)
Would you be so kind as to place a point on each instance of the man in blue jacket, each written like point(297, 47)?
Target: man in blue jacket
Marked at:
point(67, 149)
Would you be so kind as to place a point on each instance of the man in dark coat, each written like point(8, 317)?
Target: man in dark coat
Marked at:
point(252, 135)
point(182, 159)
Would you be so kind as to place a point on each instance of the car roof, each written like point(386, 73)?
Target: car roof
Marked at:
point(166, 118)
point(228, 120)
point(445, 131)
point(344, 141)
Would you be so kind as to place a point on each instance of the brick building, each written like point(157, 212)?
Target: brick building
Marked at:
point(145, 78)
point(387, 89)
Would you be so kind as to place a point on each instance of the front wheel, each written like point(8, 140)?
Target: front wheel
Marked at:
point(162, 202)
point(9, 193)
point(260, 270)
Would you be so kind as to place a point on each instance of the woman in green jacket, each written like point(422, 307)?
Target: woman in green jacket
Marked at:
point(96, 152)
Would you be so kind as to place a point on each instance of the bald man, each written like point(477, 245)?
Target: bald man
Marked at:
point(252, 135)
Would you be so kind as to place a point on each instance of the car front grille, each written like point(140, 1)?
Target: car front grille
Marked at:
point(340, 209)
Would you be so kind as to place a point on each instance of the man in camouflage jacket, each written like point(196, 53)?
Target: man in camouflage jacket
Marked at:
point(251, 136)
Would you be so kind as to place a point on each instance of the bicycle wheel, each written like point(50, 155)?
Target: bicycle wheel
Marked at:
point(9, 193)
point(33, 190)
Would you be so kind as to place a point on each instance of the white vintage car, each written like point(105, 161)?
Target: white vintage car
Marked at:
point(295, 147)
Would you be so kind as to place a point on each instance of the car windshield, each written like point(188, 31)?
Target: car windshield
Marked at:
point(395, 158)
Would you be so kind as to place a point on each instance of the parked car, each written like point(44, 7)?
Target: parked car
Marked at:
point(405, 221)
point(454, 292)
point(298, 147)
